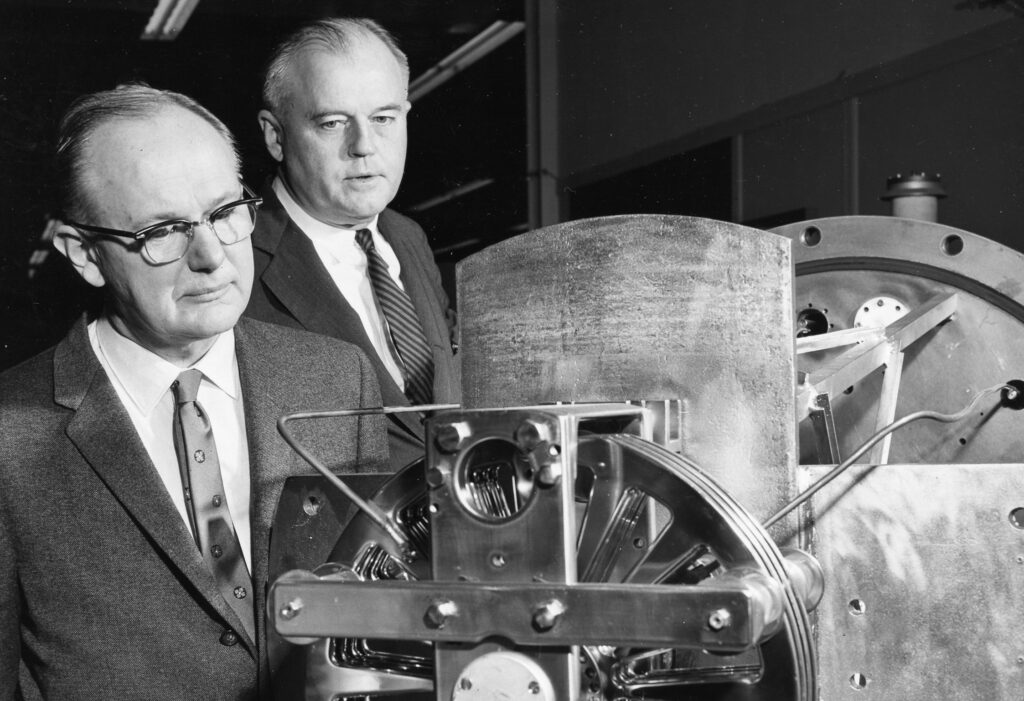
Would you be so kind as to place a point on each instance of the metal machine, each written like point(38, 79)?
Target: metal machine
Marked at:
point(639, 518)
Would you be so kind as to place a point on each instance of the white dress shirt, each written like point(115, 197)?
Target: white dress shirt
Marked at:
point(143, 380)
point(345, 261)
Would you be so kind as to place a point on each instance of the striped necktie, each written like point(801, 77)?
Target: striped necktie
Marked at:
point(205, 502)
point(406, 331)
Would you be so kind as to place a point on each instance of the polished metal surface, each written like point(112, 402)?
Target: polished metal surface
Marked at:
point(725, 618)
point(620, 515)
point(918, 564)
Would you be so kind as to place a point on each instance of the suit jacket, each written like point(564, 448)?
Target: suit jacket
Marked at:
point(293, 288)
point(103, 593)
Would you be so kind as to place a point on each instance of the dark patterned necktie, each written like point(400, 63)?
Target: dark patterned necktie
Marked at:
point(406, 332)
point(205, 502)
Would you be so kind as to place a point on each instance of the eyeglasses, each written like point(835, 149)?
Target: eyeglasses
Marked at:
point(169, 240)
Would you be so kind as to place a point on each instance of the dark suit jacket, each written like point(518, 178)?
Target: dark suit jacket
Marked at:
point(293, 288)
point(103, 593)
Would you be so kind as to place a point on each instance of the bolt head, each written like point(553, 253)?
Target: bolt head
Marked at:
point(439, 613)
point(719, 619)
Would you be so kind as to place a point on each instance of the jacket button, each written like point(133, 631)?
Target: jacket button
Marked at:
point(229, 638)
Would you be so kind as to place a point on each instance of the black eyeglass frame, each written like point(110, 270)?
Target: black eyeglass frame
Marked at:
point(141, 235)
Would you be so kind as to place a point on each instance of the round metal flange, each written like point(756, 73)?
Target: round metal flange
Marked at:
point(646, 515)
point(846, 264)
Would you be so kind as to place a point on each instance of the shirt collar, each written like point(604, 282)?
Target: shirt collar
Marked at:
point(146, 377)
point(311, 226)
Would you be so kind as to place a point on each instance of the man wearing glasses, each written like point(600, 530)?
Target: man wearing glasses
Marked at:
point(139, 461)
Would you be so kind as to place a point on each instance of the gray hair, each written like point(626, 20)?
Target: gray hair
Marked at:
point(335, 34)
point(90, 112)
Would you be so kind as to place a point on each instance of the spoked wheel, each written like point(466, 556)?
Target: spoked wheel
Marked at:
point(645, 516)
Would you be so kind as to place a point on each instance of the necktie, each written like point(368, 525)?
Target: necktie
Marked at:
point(204, 498)
point(406, 332)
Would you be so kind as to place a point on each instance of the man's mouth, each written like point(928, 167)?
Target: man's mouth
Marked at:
point(208, 294)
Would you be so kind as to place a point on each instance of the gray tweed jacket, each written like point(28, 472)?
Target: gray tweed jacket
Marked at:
point(103, 594)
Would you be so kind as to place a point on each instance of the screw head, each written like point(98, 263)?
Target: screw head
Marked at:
point(719, 619)
point(448, 438)
point(291, 609)
point(439, 613)
point(547, 614)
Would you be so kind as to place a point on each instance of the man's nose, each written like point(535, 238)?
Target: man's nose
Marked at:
point(205, 252)
point(362, 140)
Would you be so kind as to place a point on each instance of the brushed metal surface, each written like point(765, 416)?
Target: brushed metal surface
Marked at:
point(924, 595)
point(645, 307)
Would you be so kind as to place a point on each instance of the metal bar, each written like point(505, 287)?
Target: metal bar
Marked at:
point(833, 339)
point(826, 440)
point(719, 618)
point(886, 413)
point(857, 363)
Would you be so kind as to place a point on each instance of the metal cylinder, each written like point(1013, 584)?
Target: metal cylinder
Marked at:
point(915, 196)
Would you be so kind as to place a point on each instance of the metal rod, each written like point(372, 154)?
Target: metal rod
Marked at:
point(879, 435)
point(368, 507)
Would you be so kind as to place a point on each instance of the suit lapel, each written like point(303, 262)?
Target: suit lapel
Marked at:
point(300, 282)
point(106, 437)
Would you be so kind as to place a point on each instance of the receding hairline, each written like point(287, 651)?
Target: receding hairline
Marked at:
point(341, 37)
point(128, 102)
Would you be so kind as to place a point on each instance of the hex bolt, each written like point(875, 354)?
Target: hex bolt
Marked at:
point(291, 609)
point(435, 478)
point(448, 438)
point(719, 619)
point(439, 613)
point(547, 614)
point(527, 436)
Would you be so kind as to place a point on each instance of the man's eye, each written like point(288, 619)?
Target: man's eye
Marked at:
point(166, 233)
point(332, 124)
point(383, 119)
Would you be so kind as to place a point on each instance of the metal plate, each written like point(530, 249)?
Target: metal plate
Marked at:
point(925, 583)
point(844, 263)
point(645, 307)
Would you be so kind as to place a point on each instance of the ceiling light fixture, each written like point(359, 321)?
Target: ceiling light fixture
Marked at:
point(168, 19)
point(451, 194)
point(466, 55)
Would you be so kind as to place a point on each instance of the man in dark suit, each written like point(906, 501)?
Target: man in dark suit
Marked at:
point(113, 553)
point(336, 100)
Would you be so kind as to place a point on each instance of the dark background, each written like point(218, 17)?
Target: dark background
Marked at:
point(758, 113)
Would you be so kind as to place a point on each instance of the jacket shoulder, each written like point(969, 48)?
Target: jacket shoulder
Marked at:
point(29, 382)
point(294, 346)
point(395, 224)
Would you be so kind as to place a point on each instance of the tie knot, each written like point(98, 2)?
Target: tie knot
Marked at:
point(365, 240)
point(186, 387)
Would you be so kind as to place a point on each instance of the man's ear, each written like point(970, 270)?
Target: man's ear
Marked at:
point(273, 134)
point(70, 243)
